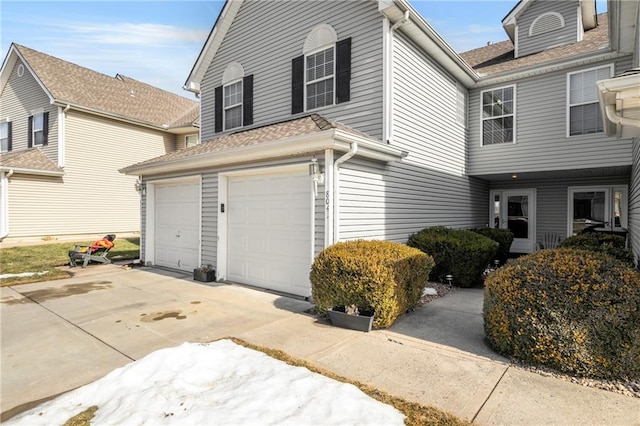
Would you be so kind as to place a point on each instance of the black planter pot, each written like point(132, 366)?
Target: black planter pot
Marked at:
point(204, 276)
point(339, 318)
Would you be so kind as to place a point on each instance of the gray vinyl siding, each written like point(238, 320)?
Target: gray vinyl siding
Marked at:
point(265, 49)
point(552, 199)
point(537, 43)
point(541, 131)
point(20, 97)
point(634, 202)
point(425, 109)
point(389, 202)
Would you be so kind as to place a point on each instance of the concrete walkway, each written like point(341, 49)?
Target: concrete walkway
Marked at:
point(59, 335)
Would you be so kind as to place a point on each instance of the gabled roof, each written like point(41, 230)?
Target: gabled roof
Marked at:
point(307, 134)
point(29, 161)
point(588, 14)
point(120, 97)
point(499, 57)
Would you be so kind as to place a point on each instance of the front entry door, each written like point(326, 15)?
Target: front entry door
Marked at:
point(516, 210)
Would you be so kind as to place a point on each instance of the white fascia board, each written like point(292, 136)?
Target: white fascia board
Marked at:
point(211, 46)
point(320, 141)
point(18, 170)
point(432, 43)
point(534, 70)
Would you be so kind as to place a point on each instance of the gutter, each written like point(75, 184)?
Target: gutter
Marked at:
point(11, 170)
point(618, 119)
point(336, 189)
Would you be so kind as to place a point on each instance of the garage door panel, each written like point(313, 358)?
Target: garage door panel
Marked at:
point(177, 225)
point(270, 229)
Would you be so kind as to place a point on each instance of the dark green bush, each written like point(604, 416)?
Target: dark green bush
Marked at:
point(379, 276)
point(613, 245)
point(503, 237)
point(573, 310)
point(461, 253)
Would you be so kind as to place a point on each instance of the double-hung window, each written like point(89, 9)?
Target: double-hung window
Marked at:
point(5, 136)
point(190, 140)
point(38, 129)
point(319, 82)
point(584, 116)
point(233, 105)
point(498, 116)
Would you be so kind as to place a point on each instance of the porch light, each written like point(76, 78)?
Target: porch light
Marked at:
point(140, 188)
point(316, 175)
point(514, 176)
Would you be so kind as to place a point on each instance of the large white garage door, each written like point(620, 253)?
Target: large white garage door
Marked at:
point(269, 231)
point(177, 225)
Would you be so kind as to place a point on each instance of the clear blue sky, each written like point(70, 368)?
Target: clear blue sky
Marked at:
point(158, 41)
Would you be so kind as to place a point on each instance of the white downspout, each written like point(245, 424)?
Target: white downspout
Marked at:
point(388, 76)
point(62, 134)
point(615, 118)
point(4, 203)
point(336, 189)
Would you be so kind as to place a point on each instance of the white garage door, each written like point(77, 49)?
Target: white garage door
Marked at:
point(269, 231)
point(177, 225)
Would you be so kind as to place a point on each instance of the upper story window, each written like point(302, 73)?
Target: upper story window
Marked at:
point(545, 23)
point(319, 70)
point(38, 129)
point(5, 136)
point(584, 116)
point(234, 99)
point(322, 75)
point(190, 140)
point(498, 116)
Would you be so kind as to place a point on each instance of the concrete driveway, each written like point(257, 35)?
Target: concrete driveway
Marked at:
point(59, 335)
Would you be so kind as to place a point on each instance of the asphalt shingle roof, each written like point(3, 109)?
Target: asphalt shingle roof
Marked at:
point(120, 96)
point(28, 159)
point(499, 57)
point(307, 125)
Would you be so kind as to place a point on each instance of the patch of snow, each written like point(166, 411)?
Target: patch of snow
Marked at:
point(214, 383)
point(23, 274)
point(428, 291)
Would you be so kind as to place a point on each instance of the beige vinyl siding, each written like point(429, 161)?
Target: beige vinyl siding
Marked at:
point(424, 110)
point(266, 50)
point(537, 43)
point(20, 97)
point(634, 201)
point(541, 132)
point(92, 196)
point(552, 198)
point(389, 202)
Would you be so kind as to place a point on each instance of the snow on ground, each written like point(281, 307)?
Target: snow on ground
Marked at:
point(23, 274)
point(214, 383)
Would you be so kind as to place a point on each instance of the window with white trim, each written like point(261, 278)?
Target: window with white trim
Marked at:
point(190, 140)
point(5, 136)
point(38, 129)
point(584, 116)
point(319, 81)
point(498, 115)
point(233, 105)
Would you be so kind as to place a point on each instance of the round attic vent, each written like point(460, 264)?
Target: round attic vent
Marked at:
point(20, 70)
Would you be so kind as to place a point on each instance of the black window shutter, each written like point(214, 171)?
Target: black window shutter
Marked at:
point(247, 100)
point(218, 109)
point(30, 134)
point(10, 136)
point(45, 128)
point(297, 85)
point(343, 70)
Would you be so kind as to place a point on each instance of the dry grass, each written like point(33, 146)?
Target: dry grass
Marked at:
point(46, 257)
point(83, 418)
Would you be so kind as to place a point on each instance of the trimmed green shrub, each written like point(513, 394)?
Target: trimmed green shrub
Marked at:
point(573, 310)
point(459, 252)
point(380, 276)
point(503, 237)
point(613, 245)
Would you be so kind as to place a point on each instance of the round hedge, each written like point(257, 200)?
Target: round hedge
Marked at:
point(573, 310)
point(380, 276)
point(459, 252)
point(503, 237)
point(613, 245)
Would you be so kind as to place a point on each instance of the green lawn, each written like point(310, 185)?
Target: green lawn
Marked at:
point(46, 257)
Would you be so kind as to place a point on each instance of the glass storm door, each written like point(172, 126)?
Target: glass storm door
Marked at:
point(516, 210)
point(601, 207)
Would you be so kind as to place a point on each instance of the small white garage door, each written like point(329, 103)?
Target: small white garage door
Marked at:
point(177, 225)
point(269, 231)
